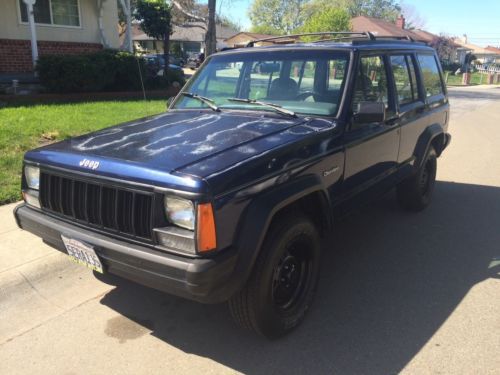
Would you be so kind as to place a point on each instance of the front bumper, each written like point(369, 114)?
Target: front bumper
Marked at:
point(204, 280)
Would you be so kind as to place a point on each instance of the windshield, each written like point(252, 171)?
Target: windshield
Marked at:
point(302, 81)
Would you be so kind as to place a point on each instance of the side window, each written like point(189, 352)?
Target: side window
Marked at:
point(302, 72)
point(371, 81)
point(430, 73)
point(404, 78)
point(413, 75)
point(336, 72)
point(263, 73)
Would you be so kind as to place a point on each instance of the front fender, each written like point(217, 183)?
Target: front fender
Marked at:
point(258, 216)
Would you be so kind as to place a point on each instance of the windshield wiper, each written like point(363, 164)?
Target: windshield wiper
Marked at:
point(202, 99)
point(276, 107)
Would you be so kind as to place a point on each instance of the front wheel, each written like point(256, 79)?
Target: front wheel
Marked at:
point(415, 192)
point(281, 288)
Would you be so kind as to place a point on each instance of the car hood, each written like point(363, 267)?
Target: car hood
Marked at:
point(166, 143)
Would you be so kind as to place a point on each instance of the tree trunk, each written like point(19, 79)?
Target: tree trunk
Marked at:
point(210, 37)
point(166, 53)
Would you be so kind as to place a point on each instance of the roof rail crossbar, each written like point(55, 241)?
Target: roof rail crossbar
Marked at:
point(339, 38)
point(370, 35)
point(396, 37)
point(365, 34)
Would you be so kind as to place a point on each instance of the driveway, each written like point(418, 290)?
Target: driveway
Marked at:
point(399, 292)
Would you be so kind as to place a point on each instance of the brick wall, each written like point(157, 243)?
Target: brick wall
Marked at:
point(15, 55)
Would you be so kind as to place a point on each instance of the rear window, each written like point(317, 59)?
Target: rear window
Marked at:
point(430, 73)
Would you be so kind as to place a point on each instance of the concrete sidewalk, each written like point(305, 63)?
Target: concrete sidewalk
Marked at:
point(33, 278)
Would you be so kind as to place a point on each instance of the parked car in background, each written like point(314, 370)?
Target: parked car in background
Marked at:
point(160, 59)
point(156, 63)
point(195, 60)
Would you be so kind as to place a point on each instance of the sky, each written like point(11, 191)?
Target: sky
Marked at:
point(480, 20)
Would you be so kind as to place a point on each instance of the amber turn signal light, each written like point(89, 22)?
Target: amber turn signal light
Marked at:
point(206, 228)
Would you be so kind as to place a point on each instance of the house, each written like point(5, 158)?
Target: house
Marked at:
point(184, 40)
point(243, 38)
point(60, 27)
point(383, 28)
point(483, 55)
point(496, 51)
point(458, 52)
point(380, 27)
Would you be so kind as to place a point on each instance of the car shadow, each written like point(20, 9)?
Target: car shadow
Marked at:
point(389, 281)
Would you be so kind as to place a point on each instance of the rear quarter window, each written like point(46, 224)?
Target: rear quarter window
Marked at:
point(430, 74)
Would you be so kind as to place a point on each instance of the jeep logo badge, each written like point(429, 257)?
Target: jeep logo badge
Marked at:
point(91, 164)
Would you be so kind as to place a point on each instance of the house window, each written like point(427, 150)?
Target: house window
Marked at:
point(53, 12)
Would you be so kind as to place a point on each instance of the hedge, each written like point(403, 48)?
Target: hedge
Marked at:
point(105, 70)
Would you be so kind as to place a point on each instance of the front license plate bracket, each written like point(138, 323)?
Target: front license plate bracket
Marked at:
point(82, 253)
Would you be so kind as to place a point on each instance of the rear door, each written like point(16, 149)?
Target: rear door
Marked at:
point(417, 113)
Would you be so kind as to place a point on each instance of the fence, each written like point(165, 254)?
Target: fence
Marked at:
point(480, 77)
point(487, 68)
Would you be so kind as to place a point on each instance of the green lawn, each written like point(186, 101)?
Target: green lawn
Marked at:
point(24, 128)
point(476, 79)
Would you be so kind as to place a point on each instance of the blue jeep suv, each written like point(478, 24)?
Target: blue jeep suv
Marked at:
point(226, 196)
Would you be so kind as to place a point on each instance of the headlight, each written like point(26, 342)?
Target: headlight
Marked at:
point(180, 212)
point(32, 175)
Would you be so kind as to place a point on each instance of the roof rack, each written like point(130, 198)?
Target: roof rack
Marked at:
point(338, 35)
point(364, 34)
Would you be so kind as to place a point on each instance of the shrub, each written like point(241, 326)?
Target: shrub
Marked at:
point(105, 70)
point(450, 66)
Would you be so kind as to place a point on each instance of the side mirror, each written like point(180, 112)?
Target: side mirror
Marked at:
point(369, 112)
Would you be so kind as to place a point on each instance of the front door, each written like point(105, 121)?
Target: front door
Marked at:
point(371, 148)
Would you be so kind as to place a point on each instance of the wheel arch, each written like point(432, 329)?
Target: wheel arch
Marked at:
point(305, 193)
point(434, 135)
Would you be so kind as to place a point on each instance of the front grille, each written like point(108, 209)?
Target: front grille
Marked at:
point(107, 207)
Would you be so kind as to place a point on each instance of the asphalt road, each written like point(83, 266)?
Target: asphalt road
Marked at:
point(399, 292)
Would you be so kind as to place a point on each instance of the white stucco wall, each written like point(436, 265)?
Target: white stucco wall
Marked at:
point(11, 26)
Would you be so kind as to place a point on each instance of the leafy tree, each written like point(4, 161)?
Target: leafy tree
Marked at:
point(413, 19)
point(187, 11)
point(227, 22)
point(385, 9)
point(122, 17)
point(265, 29)
point(283, 16)
point(208, 21)
point(444, 47)
point(155, 18)
point(330, 19)
point(388, 10)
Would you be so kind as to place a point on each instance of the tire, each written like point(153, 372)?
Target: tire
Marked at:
point(283, 282)
point(415, 193)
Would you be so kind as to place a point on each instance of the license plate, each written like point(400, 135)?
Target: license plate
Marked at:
point(82, 253)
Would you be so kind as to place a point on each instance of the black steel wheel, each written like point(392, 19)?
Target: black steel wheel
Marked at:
point(415, 192)
point(282, 285)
